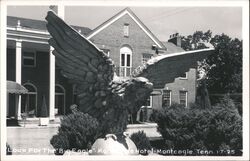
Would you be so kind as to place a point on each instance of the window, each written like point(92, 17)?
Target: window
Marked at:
point(126, 30)
point(183, 76)
point(183, 98)
point(148, 103)
point(59, 99)
point(29, 102)
point(166, 98)
point(29, 59)
point(146, 57)
point(125, 62)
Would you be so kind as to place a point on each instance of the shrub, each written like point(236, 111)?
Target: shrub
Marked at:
point(43, 108)
point(78, 131)
point(8, 149)
point(141, 141)
point(214, 129)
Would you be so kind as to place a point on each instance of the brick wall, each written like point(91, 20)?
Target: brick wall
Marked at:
point(113, 39)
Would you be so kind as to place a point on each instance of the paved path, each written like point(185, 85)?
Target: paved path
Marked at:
point(31, 140)
point(35, 140)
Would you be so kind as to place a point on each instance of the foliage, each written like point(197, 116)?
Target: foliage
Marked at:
point(214, 129)
point(43, 109)
point(77, 130)
point(202, 96)
point(223, 69)
point(226, 75)
point(8, 149)
point(141, 141)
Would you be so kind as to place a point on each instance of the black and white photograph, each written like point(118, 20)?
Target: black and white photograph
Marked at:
point(84, 80)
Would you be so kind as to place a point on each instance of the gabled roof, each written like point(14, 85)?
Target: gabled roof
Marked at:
point(38, 24)
point(129, 12)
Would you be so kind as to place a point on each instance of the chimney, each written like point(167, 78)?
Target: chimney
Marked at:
point(176, 39)
point(18, 23)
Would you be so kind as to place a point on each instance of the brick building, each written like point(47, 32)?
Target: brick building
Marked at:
point(123, 37)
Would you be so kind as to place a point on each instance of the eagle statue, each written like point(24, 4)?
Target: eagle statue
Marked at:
point(101, 93)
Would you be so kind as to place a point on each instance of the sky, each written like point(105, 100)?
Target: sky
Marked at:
point(162, 21)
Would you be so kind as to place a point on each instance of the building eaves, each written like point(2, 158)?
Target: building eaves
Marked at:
point(132, 14)
point(38, 24)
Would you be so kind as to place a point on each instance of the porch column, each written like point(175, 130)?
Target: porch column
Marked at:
point(18, 76)
point(60, 12)
point(51, 85)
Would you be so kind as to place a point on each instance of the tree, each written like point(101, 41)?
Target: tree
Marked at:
point(226, 74)
point(43, 109)
point(223, 69)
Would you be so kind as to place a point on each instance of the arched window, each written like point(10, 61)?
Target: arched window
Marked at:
point(125, 61)
point(59, 99)
point(29, 102)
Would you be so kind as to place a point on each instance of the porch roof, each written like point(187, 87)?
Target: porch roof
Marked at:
point(16, 88)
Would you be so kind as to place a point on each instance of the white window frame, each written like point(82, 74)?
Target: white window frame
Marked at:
point(64, 94)
point(185, 77)
point(126, 53)
point(186, 92)
point(126, 30)
point(151, 103)
point(28, 57)
point(170, 96)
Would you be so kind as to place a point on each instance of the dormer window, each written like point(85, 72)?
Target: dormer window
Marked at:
point(126, 30)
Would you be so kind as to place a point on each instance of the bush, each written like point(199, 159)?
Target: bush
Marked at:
point(78, 131)
point(214, 129)
point(43, 108)
point(141, 141)
point(8, 149)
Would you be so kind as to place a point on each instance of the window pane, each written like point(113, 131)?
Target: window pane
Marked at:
point(59, 103)
point(147, 103)
point(183, 98)
point(32, 103)
point(123, 60)
point(122, 71)
point(166, 98)
point(29, 58)
point(58, 89)
point(30, 88)
point(184, 75)
point(128, 60)
point(29, 62)
point(126, 30)
point(128, 71)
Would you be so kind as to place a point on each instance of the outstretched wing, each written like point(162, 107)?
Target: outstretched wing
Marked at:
point(164, 69)
point(82, 63)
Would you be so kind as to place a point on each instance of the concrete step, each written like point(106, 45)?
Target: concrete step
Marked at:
point(35, 120)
